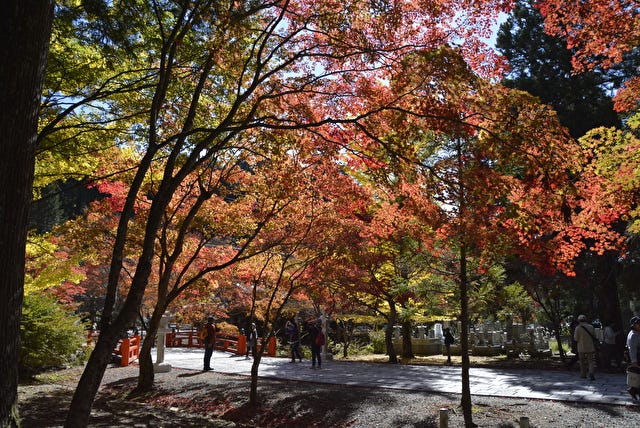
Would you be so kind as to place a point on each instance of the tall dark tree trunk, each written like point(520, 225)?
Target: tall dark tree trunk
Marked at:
point(407, 348)
point(87, 388)
point(25, 28)
point(606, 289)
point(464, 340)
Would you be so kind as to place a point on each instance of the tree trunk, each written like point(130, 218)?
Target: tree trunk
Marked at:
point(558, 334)
point(85, 393)
point(388, 333)
point(464, 340)
point(253, 390)
point(25, 28)
point(89, 383)
point(146, 375)
point(407, 348)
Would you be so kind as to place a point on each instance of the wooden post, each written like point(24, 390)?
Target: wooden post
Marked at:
point(242, 344)
point(271, 347)
point(124, 352)
point(444, 418)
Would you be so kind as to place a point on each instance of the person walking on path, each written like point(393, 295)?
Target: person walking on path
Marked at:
point(209, 342)
point(609, 339)
point(633, 346)
point(448, 341)
point(292, 331)
point(252, 341)
point(574, 344)
point(584, 336)
point(317, 340)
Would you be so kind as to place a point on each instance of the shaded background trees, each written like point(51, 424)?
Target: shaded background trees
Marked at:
point(543, 65)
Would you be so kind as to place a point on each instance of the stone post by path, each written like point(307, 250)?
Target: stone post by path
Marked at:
point(326, 356)
point(160, 366)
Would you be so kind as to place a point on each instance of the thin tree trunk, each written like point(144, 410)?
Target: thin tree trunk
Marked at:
point(464, 340)
point(253, 390)
point(558, 334)
point(146, 376)
point(25, 28)
point(388, 333)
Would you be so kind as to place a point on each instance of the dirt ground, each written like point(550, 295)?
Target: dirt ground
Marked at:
point(187, 398)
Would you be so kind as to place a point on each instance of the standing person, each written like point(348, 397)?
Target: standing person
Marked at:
point(209, 342)
point(317, 340)
point(610, 348)
point(574, 344)
point(633, 345)
point(252, 341)
point(448, 341)
point(585, 335)
point(292, 331)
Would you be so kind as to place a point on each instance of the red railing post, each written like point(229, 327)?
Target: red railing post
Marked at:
point(271, 347)
point(242, 344)
point(124, 352)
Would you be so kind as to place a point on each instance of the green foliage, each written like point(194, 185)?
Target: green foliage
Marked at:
point(516, 300)
point(377, 342)
point(50, 334)
point(355, 348)
point(47, 266)
point(541, 65)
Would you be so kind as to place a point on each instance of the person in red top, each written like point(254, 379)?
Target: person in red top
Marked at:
point(209, 342)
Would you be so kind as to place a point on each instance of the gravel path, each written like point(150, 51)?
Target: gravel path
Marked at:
point(188, 398)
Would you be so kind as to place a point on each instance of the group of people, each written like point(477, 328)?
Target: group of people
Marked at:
point(312, 331)
point(585, 347)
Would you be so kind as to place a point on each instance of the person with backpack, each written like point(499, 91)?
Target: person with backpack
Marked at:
point(316, 336)
point(585, 337)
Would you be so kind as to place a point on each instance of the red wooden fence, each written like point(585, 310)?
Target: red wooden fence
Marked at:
point(129, 348)
point(224, 342)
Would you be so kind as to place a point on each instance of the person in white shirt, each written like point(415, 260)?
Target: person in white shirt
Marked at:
point(633, 345)
point(610, 348)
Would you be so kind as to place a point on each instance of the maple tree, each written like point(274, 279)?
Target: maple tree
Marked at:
point(300, 240)
point(484, 184)
point(219, 71)
point(392, 256)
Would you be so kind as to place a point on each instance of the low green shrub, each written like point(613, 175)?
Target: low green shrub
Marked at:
point(50, 334)
point(355, 348)
point(377, 342)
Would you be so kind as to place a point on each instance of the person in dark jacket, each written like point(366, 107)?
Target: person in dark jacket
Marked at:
point(316, 337)
point(252, 341)
point(292, 331)
point(209, 342)
point(448, 341)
